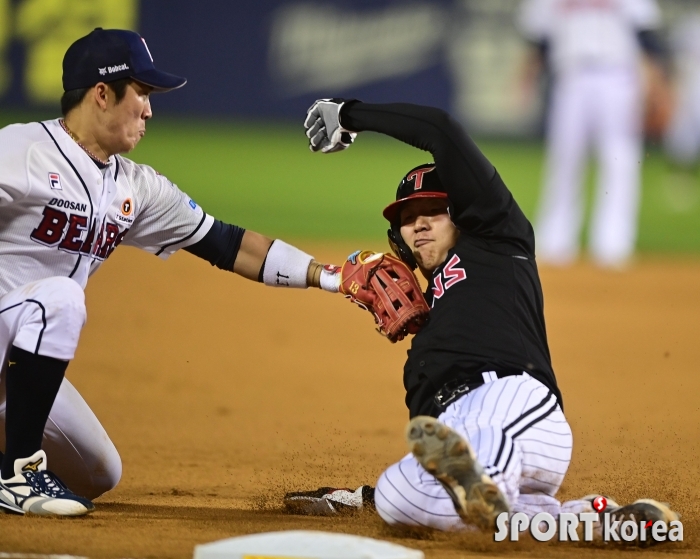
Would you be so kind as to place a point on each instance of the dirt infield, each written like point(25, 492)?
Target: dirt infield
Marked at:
point(221, 394)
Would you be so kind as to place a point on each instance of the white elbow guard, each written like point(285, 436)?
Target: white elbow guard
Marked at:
point(285, 266)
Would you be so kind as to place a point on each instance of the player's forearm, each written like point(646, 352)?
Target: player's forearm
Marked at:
point(260, 258)
point(251, 256)
point(278, 264)
point(464, 171)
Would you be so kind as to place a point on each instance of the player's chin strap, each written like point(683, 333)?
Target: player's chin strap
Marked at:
point(400, 248)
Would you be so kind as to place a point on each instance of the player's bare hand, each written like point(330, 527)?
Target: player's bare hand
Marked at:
point(323, 127)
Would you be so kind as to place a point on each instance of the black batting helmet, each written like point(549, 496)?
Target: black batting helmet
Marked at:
point(420, 182)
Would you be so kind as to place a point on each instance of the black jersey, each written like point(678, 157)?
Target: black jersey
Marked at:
point(486, 298)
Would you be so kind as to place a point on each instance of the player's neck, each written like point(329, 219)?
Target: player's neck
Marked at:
point(80, 130)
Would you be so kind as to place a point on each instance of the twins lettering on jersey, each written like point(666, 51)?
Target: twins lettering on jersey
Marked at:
point(448, 276)
point(69, 232)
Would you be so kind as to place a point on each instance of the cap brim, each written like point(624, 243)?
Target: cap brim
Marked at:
point(391, 212)
point(162, 81)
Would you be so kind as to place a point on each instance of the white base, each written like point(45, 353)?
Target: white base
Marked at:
point(304, 544)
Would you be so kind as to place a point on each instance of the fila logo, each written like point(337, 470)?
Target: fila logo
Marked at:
point(418, 176)
point(449, 276)
point(55, 181)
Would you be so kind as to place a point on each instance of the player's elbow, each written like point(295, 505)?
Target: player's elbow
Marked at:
point(445, 123)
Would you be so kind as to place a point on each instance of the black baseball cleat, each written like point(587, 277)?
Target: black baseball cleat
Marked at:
point(35, 490)
point(649, 512)
point(328, 501)
point(450, 458)
point(643, 511)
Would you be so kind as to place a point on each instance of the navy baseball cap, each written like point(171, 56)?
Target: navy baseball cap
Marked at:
point(420, 182)
point(107, 55)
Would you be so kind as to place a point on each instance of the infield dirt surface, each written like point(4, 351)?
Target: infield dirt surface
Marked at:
point(222, 394)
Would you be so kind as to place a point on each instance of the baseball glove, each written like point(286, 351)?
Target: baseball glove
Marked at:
point(386, 287)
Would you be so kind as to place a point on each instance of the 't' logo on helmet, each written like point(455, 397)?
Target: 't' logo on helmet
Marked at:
point(417, 177)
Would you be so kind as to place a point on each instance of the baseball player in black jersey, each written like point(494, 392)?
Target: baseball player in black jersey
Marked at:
point(487, 432)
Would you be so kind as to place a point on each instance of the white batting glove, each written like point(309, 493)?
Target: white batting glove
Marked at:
point(323, 127)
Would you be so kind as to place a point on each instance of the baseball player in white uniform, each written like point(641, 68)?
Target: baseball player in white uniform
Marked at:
point(67, 200)
point(682, 140)
point(594, 49)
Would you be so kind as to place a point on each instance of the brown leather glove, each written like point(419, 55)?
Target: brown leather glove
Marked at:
point(385, 286)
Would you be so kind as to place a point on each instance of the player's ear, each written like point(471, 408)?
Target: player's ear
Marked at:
point(101, 94)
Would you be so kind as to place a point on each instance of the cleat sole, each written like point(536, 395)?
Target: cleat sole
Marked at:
point(446, 455)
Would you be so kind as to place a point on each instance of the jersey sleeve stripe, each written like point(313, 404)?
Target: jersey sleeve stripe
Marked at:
point(192, 234)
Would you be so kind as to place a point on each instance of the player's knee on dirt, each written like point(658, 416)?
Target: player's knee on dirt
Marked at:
point(78, 448)
point(103, 476)
point(106, 474)
point(53, 316)
point(89, 473)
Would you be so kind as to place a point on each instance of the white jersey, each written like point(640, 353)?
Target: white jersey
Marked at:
point(585, 33)
point(61, 215)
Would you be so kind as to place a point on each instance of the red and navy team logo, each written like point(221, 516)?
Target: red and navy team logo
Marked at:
point(55, 181)
point(417, 177)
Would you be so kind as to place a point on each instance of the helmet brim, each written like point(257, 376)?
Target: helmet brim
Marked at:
point(392, 211)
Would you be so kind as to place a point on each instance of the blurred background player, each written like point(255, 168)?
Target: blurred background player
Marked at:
point(682, 137)
point(594, 51)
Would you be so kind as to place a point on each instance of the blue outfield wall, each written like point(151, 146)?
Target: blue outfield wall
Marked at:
point(269, 59)
point(247, 59)
point(260, 59)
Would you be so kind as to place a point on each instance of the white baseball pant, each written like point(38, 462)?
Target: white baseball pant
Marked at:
point(601, 108)
point(520, 437)
point(46, 317)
